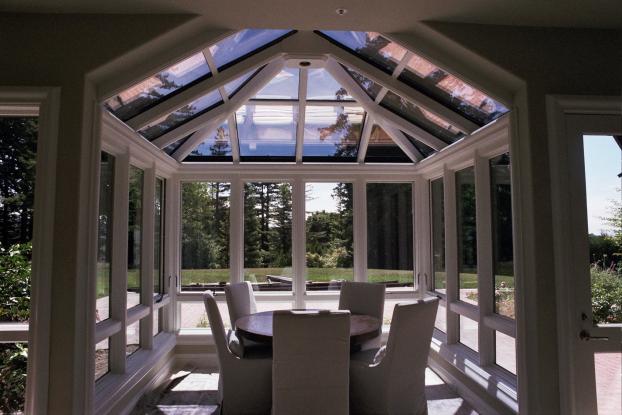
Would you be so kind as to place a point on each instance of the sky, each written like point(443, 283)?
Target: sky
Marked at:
point(319, 197)
point(602, 166)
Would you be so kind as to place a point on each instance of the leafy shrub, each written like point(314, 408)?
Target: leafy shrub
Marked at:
point(13, 361)
point(606, 295)
point(15, 283)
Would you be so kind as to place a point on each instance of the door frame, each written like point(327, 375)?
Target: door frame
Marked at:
point(569, 118)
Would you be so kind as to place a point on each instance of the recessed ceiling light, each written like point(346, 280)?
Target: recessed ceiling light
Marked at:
point(304, 64)
point(341, 11)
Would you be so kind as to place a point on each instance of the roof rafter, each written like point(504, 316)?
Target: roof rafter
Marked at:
point(402, 141)
point(365, 134)
point(302, 112)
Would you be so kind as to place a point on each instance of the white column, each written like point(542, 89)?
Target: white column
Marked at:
point(360, 229)
point(236, 229)
point(298, 242)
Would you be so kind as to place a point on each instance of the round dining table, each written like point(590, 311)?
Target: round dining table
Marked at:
point(258, 327)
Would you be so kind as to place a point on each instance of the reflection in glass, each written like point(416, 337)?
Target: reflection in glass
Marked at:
point(505, 351)
point(147, 93)
point(216, 147)
point(205, 234)
point(421, 118)
point(467, 236)
point(132, 340)
point(267, 132)
point(441, 318)
point(424, 149)
point(158, 237)
point(503, 255)
point(243, 44)
point(104, 235)
point(329, 233)
point(469, 332)
point(102, 358)
point(134, 235)
point(322, 86)
point(234, 86)
point(371, 46)
point(370, 87)
point(382, 149)
point(332, 132)
point(283, 86)
point(268, 235)
point(173, 147)
point(390, 233)
point(182, 115)
point(439, 282)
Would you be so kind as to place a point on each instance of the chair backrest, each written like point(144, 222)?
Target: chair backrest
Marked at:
point(362, 298)
point(311, 356)
point(240, 300)
point(217, 327)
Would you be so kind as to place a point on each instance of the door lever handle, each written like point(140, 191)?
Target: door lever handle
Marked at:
point(585, 336)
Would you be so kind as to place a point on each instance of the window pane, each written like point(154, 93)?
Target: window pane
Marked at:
point(501, 199)
point(441, 319)
point(134, 236)
point(322, 86)
point(158, 238)
point(13, 368)
point(234, 86)
point(329, 235)
point(382, 149)
point(505, 351)
point(369, 86)
point(242, 44)
point(102, 358)
point(267, 132)
point(133, 338)
point(467, 236)
point(439, 282)
point(283, 86)
point(173, 147)
point(332, 132)
point(469, 332)
point(268, 235)
point(147, 93)
point(104, 235)
point(608, 373)
point(158, 316)
point(204, 235)
point(193, 315)
point(390, 234)
point(215, 147)
point(423, 148)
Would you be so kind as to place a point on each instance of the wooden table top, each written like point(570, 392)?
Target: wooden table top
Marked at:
point(258, 327)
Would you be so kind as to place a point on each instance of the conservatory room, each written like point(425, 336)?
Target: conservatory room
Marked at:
point(280, 221)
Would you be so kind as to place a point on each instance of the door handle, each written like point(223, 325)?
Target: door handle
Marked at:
point(585, 336)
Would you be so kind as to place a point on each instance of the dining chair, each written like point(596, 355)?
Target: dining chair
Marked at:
point(392, 381)
point(244, 384)
point(311, 354)
point(364, 298)
point(240, 300)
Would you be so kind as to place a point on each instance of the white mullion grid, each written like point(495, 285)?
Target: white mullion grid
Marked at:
point(365, 136)
point(485, 267)
point(421, 206)
point(360, 229)
point(236, 229)
point(451, 255)
point(118, 285)
point(147, 256)
point(235, 139)
point(302, 110)
point(299, 242)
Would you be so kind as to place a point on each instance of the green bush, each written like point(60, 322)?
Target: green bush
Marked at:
point(15, 283)
point(606, 295)
point(13, 361)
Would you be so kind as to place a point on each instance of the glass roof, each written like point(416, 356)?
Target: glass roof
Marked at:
point(325, 120)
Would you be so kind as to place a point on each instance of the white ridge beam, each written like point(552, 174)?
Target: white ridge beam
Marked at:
point(381, 113)
point(365, 134)
point(206, 124)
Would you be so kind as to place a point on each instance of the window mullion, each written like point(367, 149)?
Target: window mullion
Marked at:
point(421, 235)
point(451, 254)
point(172, 235)
point(147, 260)
point(360, 230)
point(299, 242)
point(236, 227)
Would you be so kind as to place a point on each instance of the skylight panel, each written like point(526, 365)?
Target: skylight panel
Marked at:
point(370, 87)
point(370, 46)
point(242, 44)
point(332, 132)
point(215, 147)
point(283, 86)
point(421, 118)
point(147, 93)
point(234, 86)
point(173, 147)
point(423, 149)
point(382, 149)
point(322, 86)
point(183, 114)
point(267, 132)
point(451, 91)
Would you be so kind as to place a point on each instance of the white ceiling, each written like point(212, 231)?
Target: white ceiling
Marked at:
point(378, 15)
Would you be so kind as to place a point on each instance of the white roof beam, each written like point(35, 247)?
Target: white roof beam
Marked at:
point(207, 123)
point(402, 141)
point(302, 112)
point(235, 140)
point(365, 135)
point(381, 113)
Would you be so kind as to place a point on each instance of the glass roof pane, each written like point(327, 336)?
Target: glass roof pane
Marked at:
point(382, 149)
point(234, 86)
point(171, 148)
point(421, 117)
point(322, 86)
point(370, 46)
point(332, 132)
point(267, 132)
point(147, 93)
point(242, 44)
point(216, 147)
point(282, 86)
point(424, 149)
point(372, 88)
point(183, 114)
point(451, 91)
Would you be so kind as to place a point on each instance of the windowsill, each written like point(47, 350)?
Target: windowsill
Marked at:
point(13, 332)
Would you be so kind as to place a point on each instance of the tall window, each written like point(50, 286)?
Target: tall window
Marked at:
point(439, 281)
point(390, 234)
point(134, 235)
point(329, 234)
point(467, 236)
point(104, 235)
point(158, 238)
point(268, 235)
point(205, 235)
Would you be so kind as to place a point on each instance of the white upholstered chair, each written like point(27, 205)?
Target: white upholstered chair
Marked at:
point(244, 384)
point(393, 382)
point(364, 298)
point(311, 354)
point(240, 300)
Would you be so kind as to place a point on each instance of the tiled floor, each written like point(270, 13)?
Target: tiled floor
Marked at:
point(194, 393)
